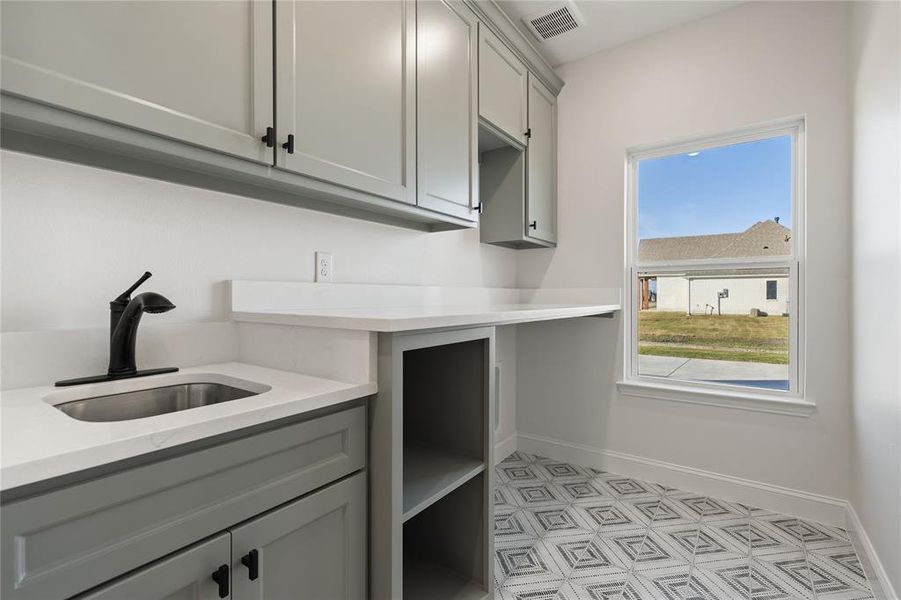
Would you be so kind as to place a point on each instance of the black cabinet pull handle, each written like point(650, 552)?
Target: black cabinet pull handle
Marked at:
point(220, 576)
point(251, 560)
point(289, 145)
point(528, 133)
point(478, 208)
point(533, 225)
point(269, 138)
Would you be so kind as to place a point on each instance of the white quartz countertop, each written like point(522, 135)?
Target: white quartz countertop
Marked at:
point(409, 318)
point(40, 442)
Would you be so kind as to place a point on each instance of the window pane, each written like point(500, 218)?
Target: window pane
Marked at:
point(726, 202)
point(716, 326)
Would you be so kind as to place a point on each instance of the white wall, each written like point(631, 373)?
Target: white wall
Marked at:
point(754, 63)
point(876, 441)
point(74, 237)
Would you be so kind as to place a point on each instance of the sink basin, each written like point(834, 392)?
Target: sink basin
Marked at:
point(138, 404)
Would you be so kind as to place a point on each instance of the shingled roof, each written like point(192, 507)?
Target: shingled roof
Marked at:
point(764, 238)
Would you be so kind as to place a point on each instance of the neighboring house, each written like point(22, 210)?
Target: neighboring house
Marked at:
point(703, 292)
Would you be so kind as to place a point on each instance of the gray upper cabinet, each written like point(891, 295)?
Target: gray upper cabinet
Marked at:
point(197, 72)
point(541, 164)
point(361, 108)
point(186, 575)
point(447, 107)
point(314, 547)
point(346, 93)
point(518, 187)
point(502, 87)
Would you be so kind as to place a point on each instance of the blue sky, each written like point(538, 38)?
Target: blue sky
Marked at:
point(721, 190)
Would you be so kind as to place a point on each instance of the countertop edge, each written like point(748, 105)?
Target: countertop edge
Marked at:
point(33, 472)
point(396, 324)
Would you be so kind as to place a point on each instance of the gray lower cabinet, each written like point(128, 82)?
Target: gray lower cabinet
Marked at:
point(161, 67)
point(345, 80)
point(81, 535)
point(312, 548)
point(447, 107)
point(186, 575)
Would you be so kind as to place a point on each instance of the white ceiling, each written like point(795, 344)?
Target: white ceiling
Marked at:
point(610, 22)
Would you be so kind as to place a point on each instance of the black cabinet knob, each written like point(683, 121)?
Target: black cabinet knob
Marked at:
point(269, 138)
point(251, 560)
point(533, 225)
point(220, 576)
point(289, 145)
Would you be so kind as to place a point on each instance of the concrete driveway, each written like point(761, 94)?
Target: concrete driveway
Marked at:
point(762, 375)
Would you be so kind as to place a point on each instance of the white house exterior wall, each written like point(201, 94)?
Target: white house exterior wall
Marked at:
point(697, 296)
point(672, 293)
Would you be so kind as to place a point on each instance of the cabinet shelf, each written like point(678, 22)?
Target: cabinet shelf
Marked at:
point(430, 473)
point(426, 579)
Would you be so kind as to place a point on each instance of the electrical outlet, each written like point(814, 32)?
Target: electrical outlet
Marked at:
point(324, 266)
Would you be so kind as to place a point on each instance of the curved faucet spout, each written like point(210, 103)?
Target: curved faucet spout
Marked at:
point(125, 335)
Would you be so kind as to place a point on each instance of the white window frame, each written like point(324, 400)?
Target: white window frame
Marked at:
point(792, 401)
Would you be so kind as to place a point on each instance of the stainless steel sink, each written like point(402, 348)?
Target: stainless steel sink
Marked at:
point(155, 401)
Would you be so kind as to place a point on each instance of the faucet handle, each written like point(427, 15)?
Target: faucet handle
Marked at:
point(124, 296)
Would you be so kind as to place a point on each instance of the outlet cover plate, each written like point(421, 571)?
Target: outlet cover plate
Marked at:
point(324, 266)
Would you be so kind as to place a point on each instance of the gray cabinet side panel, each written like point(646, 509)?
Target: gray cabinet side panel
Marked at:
point(386, 472)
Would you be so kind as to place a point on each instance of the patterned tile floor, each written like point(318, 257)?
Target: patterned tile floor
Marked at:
point(571, 533)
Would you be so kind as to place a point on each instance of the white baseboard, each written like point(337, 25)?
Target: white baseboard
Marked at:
point(780, 499)
point(505, 447)
point(872, 566)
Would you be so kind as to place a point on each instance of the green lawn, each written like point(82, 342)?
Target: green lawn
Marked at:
point(725, 337)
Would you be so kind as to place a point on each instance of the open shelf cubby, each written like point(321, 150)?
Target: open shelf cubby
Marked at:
point(445, 481)
point(444, 550)
point(430, 473)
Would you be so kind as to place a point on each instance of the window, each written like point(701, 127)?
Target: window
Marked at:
point(714, 265)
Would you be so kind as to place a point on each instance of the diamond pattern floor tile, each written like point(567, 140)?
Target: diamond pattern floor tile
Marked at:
point(567, 532)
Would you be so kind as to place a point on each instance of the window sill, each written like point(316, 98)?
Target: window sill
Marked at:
point(741, 400)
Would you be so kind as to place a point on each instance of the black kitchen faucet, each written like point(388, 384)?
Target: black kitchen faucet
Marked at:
point(125, 316)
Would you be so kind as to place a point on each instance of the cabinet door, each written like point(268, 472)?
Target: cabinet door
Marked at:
point(541, 164)
point(199, 72)
point(186, 575)
point(314, 547)
point(447, 107)
point(502, 86)
point(346, 93)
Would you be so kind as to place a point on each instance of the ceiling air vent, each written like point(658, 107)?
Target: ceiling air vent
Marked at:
point(554, 21)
